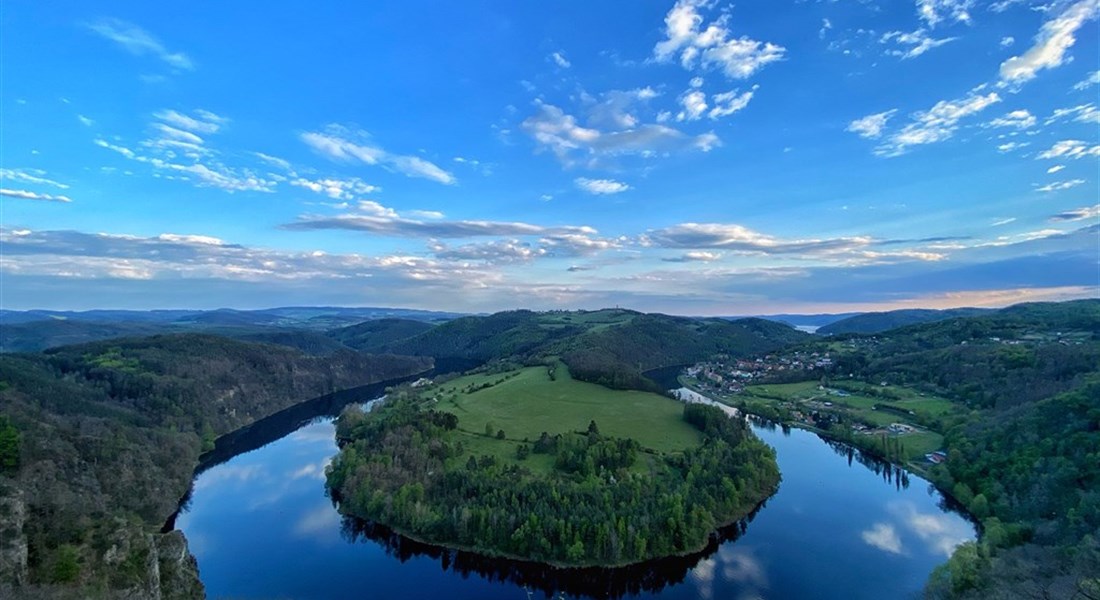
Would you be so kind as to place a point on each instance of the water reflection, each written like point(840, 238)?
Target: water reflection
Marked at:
point(649, 577)
point(843, 525)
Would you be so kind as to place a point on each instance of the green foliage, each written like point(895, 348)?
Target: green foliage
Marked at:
point(1024, 445)
point(66, 564)
point(883, 321)
point(594, 507)
point(10, 442)
point(103, 438)
point(609, 347)
point(376, 335)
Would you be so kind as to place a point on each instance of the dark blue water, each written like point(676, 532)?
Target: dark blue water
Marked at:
point(841, 526)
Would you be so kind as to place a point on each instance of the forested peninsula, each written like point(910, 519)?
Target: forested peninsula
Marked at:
point(595, 495)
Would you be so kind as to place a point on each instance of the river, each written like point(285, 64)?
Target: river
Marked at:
point(842, 525)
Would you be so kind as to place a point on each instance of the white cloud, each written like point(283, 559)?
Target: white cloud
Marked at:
point(1055, 38)
point(203, 174)
point(1060, 185)
point(871, 126)
point(1070, 149)
point(1010, 146)
point(371, 217)
point(618, 109)
point(1020, 119)
point(1000, 222)
point(1089, 81)
point(85, 121)
point(730, 102)
point(934, 12)
point(273, 160)
point(711, 46)
point(334, 143)
point(178, 135)
point(694, 103)
point(1055, 169)
point(495, 252)
point(936, 124)
point(35, 176)
point(1003, 5)
point(337, 189)
point(1084, 113)
point(912, 44)
point(139, 42)
point(1078, 214)
point(27, 195)
point(601, 186)
point(731, 236)
point(1007, 41)
point(560, 133)
point(560, 60)
point(695, 256)
point(204, 122)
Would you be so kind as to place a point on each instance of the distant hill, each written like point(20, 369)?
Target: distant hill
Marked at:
point(31, 336)
point(611, 347)
point(311, 317)
point(373, 336)
point(883, 321)
point(815, 320)
point(297, 327)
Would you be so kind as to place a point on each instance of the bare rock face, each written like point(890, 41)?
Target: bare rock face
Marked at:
point(13, 542)
point(179, 573)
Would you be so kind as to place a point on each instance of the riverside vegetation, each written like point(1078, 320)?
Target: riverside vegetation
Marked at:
point(98, 443)
point(530, 464)
point(1014, 395)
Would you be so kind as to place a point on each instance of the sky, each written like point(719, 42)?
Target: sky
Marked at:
point(690, 157)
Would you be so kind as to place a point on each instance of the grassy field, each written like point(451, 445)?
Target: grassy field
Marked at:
point(860, 406)
point(526, 402)
point(862, 397)
point(594, 320)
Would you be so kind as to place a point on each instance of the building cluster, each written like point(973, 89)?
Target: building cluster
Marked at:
point(730, 376)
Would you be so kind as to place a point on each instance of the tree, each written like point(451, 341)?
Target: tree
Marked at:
point(593, 428)
point(9, 445)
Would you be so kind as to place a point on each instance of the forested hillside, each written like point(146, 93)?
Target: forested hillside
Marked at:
point(617, 356)
point(883, 321)
point(1024, 458)
point(98, 442)
point(611, 347)
point(376, 335)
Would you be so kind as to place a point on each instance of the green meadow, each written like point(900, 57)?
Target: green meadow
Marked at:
point(528, 401)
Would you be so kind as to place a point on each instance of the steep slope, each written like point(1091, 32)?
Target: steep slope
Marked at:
point(107, 435)
point(373, 336)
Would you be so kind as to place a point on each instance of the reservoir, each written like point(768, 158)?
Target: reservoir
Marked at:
point(842, 525)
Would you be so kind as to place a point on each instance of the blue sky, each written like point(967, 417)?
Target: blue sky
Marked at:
point(686, 157)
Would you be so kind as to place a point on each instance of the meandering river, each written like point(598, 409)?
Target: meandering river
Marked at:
point(841, 526)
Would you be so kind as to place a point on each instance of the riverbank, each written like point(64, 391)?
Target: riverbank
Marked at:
point(862, 442)
point(110, 438)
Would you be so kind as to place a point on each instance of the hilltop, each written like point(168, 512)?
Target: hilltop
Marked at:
point(876, 322)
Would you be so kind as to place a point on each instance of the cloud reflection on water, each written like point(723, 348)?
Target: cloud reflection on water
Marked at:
point(884, 537)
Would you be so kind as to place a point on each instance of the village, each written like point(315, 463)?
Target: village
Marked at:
point(795, 388)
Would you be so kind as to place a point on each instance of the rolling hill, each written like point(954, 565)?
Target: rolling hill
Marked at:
point(883, 321)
